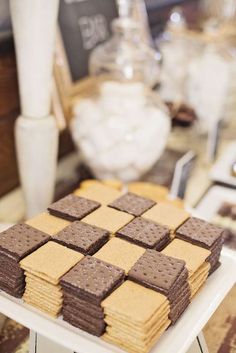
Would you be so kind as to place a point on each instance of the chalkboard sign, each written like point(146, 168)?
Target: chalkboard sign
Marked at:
point(83, 25)
point(158, 4)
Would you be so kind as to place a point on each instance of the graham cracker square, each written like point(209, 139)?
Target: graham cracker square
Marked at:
point(120, 253)
point(51, 262)
point(99, 192)
point(152, 191)
point(193, 255)
point(134, 303)
point(168, 215)
point(48, 223)
point(108, 218)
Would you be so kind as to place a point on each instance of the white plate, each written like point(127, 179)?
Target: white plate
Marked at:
point(221, 170)
point(176, 340)
point(208, 207)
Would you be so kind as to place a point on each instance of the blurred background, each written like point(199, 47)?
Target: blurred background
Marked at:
point(140, 91)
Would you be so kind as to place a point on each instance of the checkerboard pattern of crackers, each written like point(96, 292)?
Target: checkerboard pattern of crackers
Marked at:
point(123, 266)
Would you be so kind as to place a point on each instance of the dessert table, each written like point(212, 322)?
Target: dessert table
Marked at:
point(59, 336)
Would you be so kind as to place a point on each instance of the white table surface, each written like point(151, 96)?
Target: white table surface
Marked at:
point(176, 340)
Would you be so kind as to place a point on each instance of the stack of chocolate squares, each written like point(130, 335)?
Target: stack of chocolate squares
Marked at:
point(16, 243)
point(82, 237)
point(195, 259)
point(206, 235)
point(73, 208)
point(166, 275)
point(43, 270)
point(132, 204)
point(84, 288)
point(136, 317)
point(145, 233)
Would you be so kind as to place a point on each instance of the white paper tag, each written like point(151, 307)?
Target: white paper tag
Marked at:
point(181, 175)
point(213, 141)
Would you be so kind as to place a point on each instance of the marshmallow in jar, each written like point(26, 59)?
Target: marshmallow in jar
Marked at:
point(122, 133)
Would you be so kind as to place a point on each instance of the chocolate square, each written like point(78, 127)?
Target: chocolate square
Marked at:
point(73, 207)
point(225, 209)
point(21, 240)
point(70, 300)
point(71, 310)
point(199, 232)
point(177, 312)
point(17, 292)
point(84, 322)
point(214, 268)
point(132, 204)
point(145, 233)
point(92, 279)
point(157, 271)
point(82, 237)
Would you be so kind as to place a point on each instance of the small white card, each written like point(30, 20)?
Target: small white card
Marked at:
point(181, 175)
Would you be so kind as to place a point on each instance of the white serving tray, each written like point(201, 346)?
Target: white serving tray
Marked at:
point(176, 340)
point(220, 172)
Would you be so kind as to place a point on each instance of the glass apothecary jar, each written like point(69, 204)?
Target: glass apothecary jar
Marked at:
point(211, 88)
point(177, 48)
point(123, 129)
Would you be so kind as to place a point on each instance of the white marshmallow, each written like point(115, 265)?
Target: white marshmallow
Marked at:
point(120, 134)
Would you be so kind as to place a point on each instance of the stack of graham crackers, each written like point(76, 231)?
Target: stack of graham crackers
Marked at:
point(123, 266)
point(195, 259)
point(43, 270)
point(136, 317)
